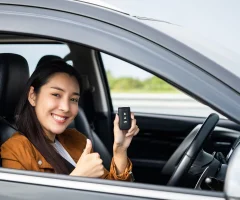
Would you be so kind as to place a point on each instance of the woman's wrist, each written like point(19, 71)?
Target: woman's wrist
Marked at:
point(119, 149)
point(120, 158)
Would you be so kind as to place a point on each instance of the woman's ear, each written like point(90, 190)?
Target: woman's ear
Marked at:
point(32, 96)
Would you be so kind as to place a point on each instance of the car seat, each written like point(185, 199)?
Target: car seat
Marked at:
point(14, 73)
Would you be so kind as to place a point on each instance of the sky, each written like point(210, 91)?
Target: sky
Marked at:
point(216, 20)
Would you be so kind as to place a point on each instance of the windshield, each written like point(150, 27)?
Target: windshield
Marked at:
point(216, 52)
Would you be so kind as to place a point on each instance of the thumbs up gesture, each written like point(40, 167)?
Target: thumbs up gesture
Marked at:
point(89, 164)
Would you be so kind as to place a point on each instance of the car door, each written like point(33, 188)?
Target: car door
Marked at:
point(108, 38)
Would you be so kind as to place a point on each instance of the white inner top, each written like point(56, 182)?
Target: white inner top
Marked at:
point(60, 149)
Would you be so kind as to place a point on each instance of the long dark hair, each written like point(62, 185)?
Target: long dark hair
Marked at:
point(27, 121)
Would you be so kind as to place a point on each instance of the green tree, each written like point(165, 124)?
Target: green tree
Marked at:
point(111, 79)
point(156, 84)
point(129, 84)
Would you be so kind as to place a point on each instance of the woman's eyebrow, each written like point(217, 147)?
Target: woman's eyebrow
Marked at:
point(58, 88)
point(75, 93)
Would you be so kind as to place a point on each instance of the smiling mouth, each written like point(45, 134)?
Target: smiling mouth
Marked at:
point(59, 118)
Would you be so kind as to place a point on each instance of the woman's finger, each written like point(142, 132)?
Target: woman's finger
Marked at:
point(132, 115)
point(136, 132)
point(133, 125)
point(116, 122)
point(133, 131)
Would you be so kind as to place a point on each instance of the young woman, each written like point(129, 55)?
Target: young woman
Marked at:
point(43, 143)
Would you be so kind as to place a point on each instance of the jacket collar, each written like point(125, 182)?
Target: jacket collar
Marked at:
point(68, 143)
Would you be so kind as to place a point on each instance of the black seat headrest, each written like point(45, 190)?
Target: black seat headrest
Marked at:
point(14, 73)
point(46, 59)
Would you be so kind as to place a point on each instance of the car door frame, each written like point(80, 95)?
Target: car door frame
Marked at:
point(139, 51)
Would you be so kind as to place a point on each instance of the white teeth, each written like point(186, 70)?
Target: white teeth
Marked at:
point(59, 118)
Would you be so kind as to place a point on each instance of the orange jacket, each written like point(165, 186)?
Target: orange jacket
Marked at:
point(19, 153)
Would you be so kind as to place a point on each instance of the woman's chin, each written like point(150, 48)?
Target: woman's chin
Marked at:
point(58, 131)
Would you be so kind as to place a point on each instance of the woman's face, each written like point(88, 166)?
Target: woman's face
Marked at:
point(56, 104)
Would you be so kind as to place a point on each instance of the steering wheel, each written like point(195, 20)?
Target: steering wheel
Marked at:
point(184, 156)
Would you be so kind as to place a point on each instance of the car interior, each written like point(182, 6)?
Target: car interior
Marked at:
point(162, 141)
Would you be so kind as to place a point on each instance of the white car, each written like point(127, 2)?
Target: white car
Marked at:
point(175, 156)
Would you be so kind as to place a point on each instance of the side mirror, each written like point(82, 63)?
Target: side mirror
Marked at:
point(232, 181)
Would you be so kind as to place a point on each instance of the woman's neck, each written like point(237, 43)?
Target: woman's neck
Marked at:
point(50, 136)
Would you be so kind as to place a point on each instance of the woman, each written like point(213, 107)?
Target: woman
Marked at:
point(43, 143)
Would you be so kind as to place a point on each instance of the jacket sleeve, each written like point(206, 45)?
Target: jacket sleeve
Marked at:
point(13, 155)
point(112, 174)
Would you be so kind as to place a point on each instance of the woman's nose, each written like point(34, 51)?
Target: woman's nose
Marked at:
point(64, 105)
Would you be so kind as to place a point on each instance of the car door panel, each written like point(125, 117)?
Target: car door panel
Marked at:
point(19, 184)
point(15, 191)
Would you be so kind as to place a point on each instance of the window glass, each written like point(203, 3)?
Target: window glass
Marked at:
point(146, 93)
point(34, 52)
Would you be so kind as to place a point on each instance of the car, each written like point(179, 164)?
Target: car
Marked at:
point(176, 155)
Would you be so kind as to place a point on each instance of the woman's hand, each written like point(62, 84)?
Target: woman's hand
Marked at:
point(89, 164)
point(123, 138)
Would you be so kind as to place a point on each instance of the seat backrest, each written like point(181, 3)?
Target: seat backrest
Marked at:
point(14, 73)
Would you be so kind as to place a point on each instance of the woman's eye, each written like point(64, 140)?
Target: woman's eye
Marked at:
point(56, 95)
point(74, 100)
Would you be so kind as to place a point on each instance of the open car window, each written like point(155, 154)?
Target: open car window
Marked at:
point(146, 93)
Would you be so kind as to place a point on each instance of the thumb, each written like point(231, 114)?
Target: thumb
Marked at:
point(88, 147)
point(116, 120)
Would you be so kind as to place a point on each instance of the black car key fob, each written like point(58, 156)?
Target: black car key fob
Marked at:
point(125, 121)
